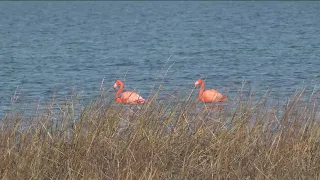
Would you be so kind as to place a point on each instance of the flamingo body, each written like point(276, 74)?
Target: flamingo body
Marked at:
point(130, 97)
point(127, 97)
point(211, 95)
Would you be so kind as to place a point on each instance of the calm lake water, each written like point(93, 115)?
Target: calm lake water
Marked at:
point(47, 46)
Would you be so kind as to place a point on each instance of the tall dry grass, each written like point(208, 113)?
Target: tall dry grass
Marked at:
point(248, 139)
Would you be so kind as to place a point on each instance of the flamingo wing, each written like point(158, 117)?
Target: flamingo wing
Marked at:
point(132, 98)
point(212, 96)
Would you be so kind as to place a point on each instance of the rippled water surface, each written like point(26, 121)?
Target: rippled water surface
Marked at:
point(47, 46)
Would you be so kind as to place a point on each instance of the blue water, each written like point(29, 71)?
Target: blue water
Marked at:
point(60, 46)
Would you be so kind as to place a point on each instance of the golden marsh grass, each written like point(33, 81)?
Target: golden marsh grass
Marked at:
point(164, 140)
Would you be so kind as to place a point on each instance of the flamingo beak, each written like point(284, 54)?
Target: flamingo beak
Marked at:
point(196, 84)
point(115, 85)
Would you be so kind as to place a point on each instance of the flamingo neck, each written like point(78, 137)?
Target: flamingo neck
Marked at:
point(118, 99)
point(201, 89)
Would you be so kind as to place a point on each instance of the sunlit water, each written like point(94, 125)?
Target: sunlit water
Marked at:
point(48, 47)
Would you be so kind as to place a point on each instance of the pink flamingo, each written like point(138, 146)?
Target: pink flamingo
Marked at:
point(127, 97)
point(211, 95)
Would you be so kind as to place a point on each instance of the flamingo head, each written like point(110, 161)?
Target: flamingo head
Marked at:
point(117, 83)
point(198, 82)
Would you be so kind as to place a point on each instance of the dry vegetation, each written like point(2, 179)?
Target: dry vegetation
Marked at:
point(164, 140)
